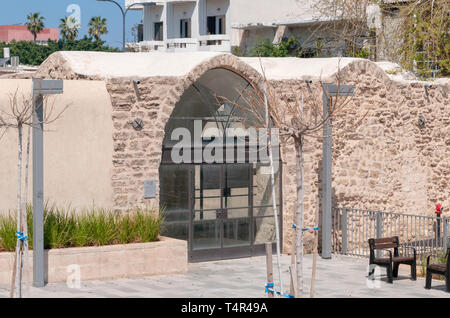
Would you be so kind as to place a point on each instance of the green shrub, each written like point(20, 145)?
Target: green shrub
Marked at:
point(438, 258)
point(31, 53)
point(8, 229)
point(147, 225)
point(102, 228)
point(95, 227)
point(59, 226)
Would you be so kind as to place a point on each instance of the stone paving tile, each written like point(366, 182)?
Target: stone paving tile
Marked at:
point(339, 277)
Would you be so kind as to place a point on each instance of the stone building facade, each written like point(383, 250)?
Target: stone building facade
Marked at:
point(391, 144)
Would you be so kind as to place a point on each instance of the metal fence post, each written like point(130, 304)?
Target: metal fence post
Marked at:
point(379, 225)
point(344, 231)
point(445, 229)
point(379, 229)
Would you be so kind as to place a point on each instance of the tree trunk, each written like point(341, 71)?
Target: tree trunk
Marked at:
point(314, 265)
point(17, 262)
point(25, 246)
point(299, 212)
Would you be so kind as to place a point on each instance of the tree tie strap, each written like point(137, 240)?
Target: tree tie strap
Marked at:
point(269, 289)
point(306, 228)
point(22, 237)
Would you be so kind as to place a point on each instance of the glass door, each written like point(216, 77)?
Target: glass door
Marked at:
point(221, 217)
point(206, 219)
point(236, 207)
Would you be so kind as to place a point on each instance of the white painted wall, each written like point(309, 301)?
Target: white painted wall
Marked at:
point(237, 13)
point(217, 7)
point(254, 11)
point(150, 16)
point(182, 11)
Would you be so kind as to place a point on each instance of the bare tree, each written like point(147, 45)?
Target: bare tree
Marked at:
point(19, 115)
point(423, 38)
point(297, 116)
point(343, 27)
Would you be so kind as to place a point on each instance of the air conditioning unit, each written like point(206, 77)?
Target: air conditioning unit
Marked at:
point(14, 61)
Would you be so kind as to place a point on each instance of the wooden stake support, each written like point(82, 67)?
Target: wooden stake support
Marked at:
point(293, 274)
point(269, 266)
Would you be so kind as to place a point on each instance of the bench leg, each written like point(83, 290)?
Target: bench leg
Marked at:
point(389, 274)
point(447, 282)
point(371, 272)
point(414, 271)
point(395, 270)
point(428, 280)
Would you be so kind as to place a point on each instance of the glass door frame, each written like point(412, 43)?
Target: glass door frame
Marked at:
point(230, 252)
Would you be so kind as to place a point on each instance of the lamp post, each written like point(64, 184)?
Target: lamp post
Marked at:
point(124, 15)
point(40, 88)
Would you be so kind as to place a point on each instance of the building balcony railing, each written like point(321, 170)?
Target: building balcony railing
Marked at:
point(215, 42)
point(185, 44)
point(146, 46)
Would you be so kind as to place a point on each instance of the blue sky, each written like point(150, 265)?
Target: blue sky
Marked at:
point(16, 11)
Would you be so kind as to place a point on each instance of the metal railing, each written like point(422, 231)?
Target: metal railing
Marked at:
point(352, 228)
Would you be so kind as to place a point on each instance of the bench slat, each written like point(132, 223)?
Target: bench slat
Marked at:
point(386, 245)
point(386, 240)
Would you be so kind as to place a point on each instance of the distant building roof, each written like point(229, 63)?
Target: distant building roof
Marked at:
point(9, 33)
point(285, 22)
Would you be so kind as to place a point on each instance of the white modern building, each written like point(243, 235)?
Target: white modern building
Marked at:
point(220, 25)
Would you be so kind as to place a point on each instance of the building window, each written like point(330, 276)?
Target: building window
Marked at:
point(216, 24)
point(140, 32)
point(185, 28)
point(159, 32)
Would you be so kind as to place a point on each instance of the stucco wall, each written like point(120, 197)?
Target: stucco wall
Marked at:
point(77, 147)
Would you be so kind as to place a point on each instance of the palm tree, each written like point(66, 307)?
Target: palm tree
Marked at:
point(35, 24)
point(69, 28)
point(97, 27)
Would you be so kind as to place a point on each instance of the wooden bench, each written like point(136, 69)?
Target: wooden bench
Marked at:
point(439, 269)
point(394, 260)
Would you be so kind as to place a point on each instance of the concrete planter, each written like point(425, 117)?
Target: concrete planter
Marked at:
point(167, 256)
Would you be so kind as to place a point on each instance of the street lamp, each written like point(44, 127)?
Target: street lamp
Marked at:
point(124, 14)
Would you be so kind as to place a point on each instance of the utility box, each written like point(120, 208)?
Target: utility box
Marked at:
point(150, 189)
point(6, 53)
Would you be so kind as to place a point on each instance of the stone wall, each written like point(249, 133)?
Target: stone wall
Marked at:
point(383, 159)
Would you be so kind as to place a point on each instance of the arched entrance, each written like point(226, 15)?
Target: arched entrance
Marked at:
point(223, 208)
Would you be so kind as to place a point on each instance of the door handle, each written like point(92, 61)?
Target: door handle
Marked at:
point(221, 214)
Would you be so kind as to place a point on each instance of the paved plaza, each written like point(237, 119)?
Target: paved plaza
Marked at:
point(340, 277)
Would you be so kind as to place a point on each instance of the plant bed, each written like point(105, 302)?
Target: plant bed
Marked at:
point(95, 227)
point(100, 244)
point(165, 256)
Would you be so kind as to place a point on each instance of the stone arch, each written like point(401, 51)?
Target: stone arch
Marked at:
point(225, 61)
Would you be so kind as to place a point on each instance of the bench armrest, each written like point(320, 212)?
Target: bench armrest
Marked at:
point(390, 253)
point(428, 259)
point(412, 248)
